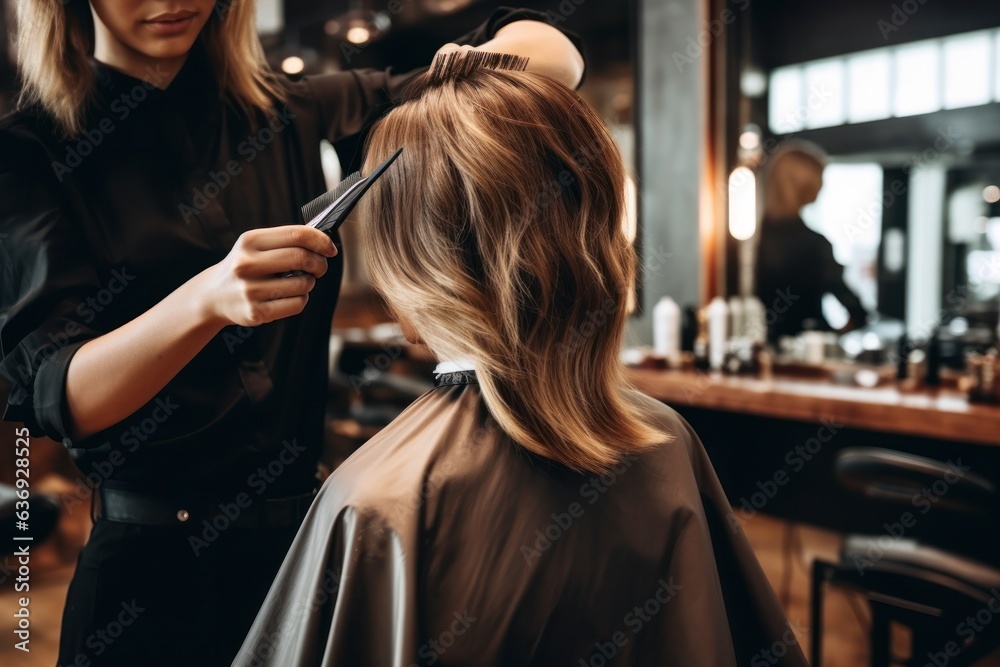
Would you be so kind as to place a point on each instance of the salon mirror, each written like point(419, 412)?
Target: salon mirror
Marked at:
point(876, 151)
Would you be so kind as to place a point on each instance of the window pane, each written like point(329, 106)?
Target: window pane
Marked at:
point(825, 93)
point(981, 266)
point(996, 67)
point(967, 70)
point(785, 100)
point(868, 86)
point(270, 16)
point(917, 79)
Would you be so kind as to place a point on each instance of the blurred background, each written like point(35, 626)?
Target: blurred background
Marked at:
point(814, 192)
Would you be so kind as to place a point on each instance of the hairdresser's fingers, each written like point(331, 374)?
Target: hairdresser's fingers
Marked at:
point(276, 309)
point(288, 236)
point(257, 291)
point(267, 262)
point(451, 47)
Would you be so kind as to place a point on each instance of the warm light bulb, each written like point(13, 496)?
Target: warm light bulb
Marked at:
point(742, 203)
point(749, 140)
point(358, 34)
point(293, 65)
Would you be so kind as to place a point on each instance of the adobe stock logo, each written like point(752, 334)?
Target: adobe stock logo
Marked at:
point(634, 621)
point(901, 13)
point(120, 108)
point(248, 149)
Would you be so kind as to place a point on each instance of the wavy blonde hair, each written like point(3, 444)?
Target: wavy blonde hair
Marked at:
point(54, 39)
point(498, 236)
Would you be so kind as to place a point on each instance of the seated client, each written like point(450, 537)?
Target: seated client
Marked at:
point(532, 509)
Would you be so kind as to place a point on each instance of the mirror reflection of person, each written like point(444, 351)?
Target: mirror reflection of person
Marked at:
point(795, 265)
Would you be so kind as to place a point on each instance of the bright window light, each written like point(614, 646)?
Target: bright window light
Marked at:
point(917, 87)
point(848, 212)
point(967, 69)
point(996, 67)
point(953, 72)
point(868, 86)
point(270, 16)
point(825, 93)
point(834, 312)
point(981, 266)
point(786, 108)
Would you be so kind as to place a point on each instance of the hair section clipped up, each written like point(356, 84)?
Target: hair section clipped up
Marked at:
point(498, 236)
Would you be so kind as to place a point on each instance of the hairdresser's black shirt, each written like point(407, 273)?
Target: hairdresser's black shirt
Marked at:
point(95, 231)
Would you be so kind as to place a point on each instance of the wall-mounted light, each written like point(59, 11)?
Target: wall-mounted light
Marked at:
point(749, 140)
point(444, 6)
point(293, 65)
point(753, 82)
point(359, 32)
point(742, 203)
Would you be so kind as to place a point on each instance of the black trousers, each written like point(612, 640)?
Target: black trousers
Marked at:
point(156, 595)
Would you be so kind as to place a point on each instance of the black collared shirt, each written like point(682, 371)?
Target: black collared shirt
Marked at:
point(97, 230)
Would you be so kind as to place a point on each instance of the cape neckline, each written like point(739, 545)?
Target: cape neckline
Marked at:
point(456, 378)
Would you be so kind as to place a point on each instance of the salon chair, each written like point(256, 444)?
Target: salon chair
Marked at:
point(930, 590)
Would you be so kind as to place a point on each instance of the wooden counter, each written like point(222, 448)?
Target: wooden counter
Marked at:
point(942, 414)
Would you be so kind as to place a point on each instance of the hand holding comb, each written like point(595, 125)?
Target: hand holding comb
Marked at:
point(329, 211)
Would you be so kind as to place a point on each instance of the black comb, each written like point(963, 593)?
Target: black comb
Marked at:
point(458, 64)
point(329, 211)
point(311, 211)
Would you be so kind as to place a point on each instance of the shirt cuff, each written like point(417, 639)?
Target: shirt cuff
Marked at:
point(50, 405)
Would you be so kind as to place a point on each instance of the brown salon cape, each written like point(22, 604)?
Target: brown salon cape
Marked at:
point(441, 542)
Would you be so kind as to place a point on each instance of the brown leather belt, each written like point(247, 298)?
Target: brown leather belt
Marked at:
point(244, 511)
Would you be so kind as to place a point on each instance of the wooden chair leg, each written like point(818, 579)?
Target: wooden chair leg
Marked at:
point(880, 635)
point(819, 576)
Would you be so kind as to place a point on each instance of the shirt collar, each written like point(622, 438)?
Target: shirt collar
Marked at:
point(454, 366)
point(194, 84)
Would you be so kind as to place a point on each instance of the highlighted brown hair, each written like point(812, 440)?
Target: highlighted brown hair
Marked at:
point(498, 236)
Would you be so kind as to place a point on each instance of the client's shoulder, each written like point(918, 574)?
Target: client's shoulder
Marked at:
point(437, 438)
point(679, 436)
point(658, 414)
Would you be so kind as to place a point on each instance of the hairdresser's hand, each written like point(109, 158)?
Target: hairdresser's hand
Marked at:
point(451, 47)
point(547, 49)
point(246, 288)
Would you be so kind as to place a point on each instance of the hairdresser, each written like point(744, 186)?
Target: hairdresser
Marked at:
point(150, 182)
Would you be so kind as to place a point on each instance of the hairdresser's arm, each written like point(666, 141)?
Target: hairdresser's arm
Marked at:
point(548, 50)
point(112, 376)
point(346, 102)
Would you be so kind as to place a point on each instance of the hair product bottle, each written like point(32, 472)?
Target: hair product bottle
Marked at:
point(718, 323)
point(667, 329)
point(737, 317)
